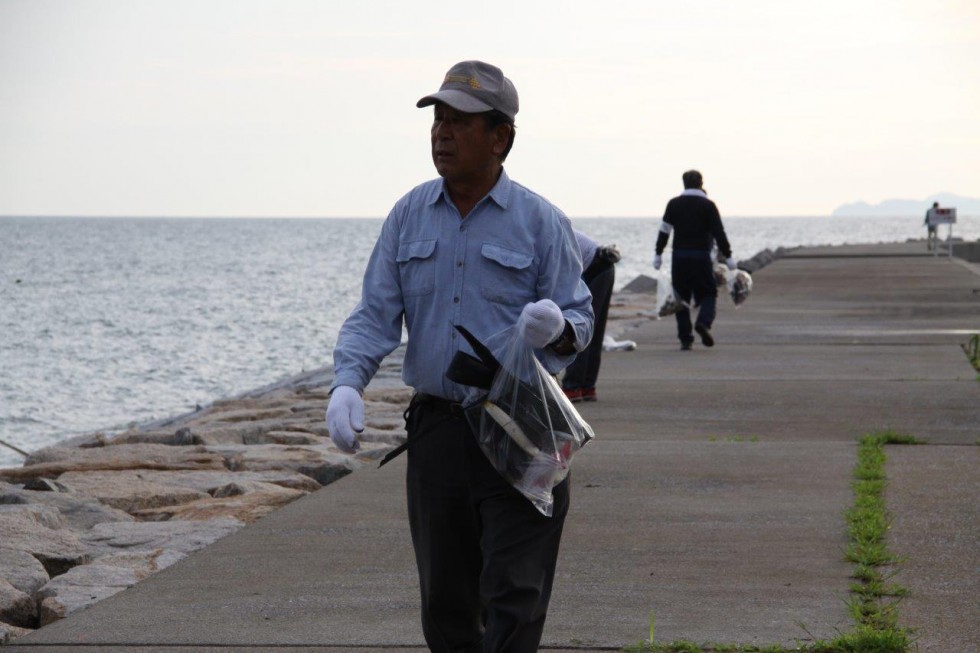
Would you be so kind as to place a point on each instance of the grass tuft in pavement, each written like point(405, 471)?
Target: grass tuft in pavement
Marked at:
point(972, 350)
point(874, 600)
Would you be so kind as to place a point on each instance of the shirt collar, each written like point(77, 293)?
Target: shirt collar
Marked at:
point(695, 191)
point(500, 193)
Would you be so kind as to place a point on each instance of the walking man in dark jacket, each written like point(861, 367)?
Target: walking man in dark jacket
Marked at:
point(695, 223)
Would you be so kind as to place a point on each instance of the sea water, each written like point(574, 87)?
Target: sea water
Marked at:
point(109, 322)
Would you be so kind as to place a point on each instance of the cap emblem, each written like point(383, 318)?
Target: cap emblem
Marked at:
point(472, 82)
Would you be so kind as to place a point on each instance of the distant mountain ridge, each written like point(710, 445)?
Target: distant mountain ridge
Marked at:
point(895, 207)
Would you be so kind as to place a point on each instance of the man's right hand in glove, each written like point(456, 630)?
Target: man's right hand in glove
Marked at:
point(345, 415)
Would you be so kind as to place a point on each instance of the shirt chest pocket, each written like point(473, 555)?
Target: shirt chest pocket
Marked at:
point(507, 276)
point(416, 267)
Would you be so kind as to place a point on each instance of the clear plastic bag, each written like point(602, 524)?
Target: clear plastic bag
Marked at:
point(667, 301)
point(739, 286)
point(720, 271)
point(526, 426)
point(738, 282)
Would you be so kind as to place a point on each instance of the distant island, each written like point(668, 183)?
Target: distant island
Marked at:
point(964, 206)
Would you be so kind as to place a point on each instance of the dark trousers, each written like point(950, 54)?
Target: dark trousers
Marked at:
point(486, 558)
point(693, 280)
point(584, 370)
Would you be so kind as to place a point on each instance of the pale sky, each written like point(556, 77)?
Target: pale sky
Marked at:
point(303, 108)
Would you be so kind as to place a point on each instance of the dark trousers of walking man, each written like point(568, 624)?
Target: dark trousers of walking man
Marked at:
point(486, 556)
point(693, 280)
point(583, 372)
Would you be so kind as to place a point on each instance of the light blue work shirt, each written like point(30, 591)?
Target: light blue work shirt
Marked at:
point(433, 269)
point(587, 247)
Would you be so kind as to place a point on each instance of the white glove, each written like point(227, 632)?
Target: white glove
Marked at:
point(541, 323)
point(345, 414)
point(657, 262)
point(730, 262)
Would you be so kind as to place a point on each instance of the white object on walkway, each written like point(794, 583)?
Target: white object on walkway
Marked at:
point(611, 344)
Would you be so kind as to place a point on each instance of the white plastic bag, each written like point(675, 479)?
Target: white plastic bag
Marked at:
point(667, 301)
point(611, 344)
point(739, 286)
point(721, 272)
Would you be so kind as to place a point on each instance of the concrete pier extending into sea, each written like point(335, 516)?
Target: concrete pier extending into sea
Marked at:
point(713, 496)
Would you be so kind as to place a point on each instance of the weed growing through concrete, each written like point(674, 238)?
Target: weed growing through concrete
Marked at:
point(972, 349)
point(874, 599)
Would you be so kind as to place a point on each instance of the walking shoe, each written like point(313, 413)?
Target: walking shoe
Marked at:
point(588, 394)
point(685, 346)
point(705, 334)
point(574, 395)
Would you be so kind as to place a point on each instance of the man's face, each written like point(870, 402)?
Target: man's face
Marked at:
point(463, 149)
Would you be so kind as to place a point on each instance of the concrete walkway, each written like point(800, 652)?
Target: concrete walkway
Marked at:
point(713, 496)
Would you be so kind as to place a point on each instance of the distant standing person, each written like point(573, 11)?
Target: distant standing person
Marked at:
point(931, 227)
point(695, 222)
point(599, 264)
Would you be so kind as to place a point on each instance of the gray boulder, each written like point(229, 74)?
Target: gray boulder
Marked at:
point(207, 481)
point(240, 501)
point(9, 632)
point(38, 513)
point(16, 607)
point(58, 550)
point(45, 485)
point(22, 570)
point(288, 438)
point(180, 536)
point(80, 588)
point(79, 512)
point(241, 487)
point(757, 262)
point(54, 461)
point(322, 464)
point(128, 490)
point(83, 586)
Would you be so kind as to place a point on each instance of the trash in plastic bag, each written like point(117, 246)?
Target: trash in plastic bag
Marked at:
point(524, 423)
point(668, 302)
point(721, 274)
point(739, 286)
point(608, 253)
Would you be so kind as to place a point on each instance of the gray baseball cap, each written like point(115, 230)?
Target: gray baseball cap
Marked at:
point(475, 87)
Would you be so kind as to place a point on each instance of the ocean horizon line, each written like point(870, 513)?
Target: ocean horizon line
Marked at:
point(381, 217)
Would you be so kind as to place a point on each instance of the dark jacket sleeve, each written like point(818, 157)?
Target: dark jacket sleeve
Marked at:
point(718, 231)
point(663, 237)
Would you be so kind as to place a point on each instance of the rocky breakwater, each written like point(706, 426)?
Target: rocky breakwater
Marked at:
point(84, 520)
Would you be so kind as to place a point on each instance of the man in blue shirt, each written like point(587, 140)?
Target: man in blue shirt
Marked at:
point(472, 248)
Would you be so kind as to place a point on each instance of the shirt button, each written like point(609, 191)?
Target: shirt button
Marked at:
point(459, 264)
point(455, 300)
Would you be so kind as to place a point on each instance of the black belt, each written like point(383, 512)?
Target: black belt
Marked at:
point(437, 404)
point(451, 410)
